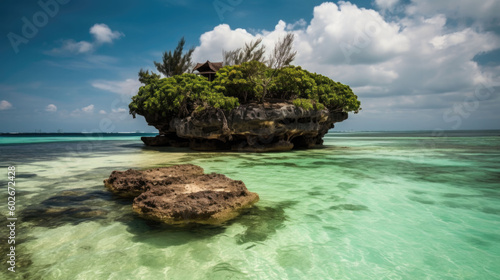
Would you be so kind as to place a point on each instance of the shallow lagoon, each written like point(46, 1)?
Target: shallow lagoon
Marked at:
point(365, 206)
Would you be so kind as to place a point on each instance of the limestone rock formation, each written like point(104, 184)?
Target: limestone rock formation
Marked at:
point(132, 183)
point(206, 199)
point(252, 127)
point(182, 194)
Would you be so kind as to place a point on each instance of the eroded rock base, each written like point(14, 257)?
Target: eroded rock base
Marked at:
point(269, 127)
point(182, 194)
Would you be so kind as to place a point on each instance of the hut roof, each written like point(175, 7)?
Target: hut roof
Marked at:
point(208, 67)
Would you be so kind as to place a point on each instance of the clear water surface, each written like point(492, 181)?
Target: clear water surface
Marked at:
point(377, 205)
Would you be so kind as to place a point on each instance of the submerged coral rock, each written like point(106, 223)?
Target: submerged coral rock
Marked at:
point(182, 194)
point(251, 127)
point(206, 199)
point(132, 183)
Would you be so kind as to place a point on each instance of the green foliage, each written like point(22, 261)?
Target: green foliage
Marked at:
point(334, 95)
point(308, 104)
point(249, 81)
point(185, 94)
point(281, 56)
point(179, 96)
point(292, 82)
point(283, 53)
point(252, 51)
point(174, 63)
point(145, 77)
point(235, 81)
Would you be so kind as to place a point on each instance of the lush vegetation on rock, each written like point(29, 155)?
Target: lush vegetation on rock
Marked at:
point(178, 96)
point(249, 81)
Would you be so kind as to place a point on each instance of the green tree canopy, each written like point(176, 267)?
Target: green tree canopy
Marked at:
point(181, 95)
point(247, 82)
point(250, 80)
point(178, 96)
point(174, 63)
point(281, 56)
point(252, 51)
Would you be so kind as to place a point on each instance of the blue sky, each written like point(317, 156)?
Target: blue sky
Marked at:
point(72, 65)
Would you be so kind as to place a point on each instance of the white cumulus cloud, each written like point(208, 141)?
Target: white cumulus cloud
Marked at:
point(337, 34)
point(415, 60)
point(102, 34)
point(119, 110)
point(88, 109)
point(346, 34)
point(485, 11)
point(51, 108)
point(386, 4)
point(360, 47)
point(4, 105)
point(222, 37)
point(126, 88)
point(72, 47)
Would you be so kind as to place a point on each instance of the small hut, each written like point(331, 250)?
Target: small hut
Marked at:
point(208, 69)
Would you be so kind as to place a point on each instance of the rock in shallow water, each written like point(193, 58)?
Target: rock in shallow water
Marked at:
point(268, 127)
point(132, 183)
point(182, 194)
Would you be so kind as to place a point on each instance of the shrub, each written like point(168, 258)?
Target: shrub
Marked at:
point(308, 104)
point(178, 96)
point(181, 95)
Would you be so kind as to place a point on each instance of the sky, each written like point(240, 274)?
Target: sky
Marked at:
point(71, 66)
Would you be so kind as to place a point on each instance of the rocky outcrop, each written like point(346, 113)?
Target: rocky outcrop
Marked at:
point(182, 194)
point(167, 139)
point(206, 199)
point(251, 127)
point(132, 183)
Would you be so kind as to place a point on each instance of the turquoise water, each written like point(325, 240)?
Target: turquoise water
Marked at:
point(30, 138)
point(379, 205)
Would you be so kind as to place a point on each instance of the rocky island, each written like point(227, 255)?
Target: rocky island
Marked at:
point(246, 105)
point(264, 127)
point(182, 194)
